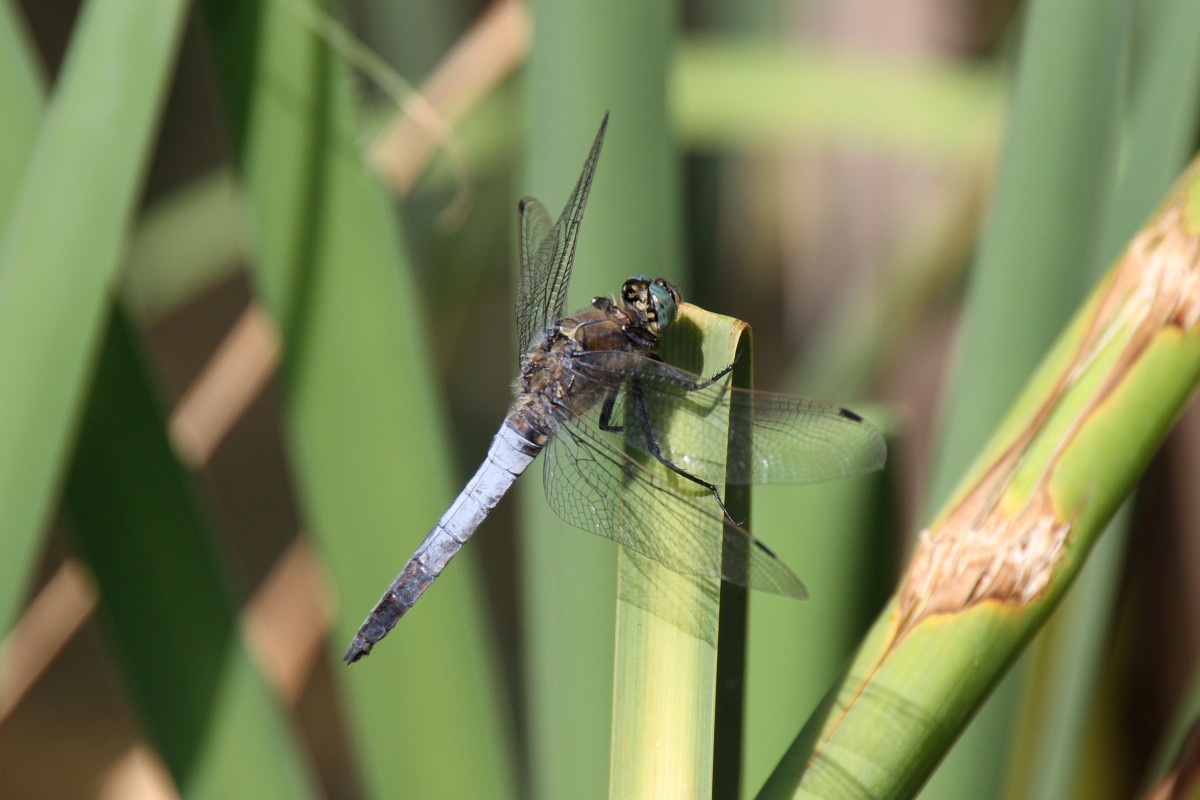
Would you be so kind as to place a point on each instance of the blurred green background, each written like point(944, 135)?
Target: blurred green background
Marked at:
point(256, 331)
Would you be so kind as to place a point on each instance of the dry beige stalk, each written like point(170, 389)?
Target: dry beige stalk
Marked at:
point(484, 57)
point(231, 380)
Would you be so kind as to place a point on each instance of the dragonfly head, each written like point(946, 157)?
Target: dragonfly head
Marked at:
point(654, 302)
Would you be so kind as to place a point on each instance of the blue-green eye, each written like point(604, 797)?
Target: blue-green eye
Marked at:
point(664, 304)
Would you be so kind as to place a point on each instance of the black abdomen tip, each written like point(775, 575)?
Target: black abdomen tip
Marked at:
point(358, 648)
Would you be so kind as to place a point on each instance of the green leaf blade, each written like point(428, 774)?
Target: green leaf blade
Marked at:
point(61, 252)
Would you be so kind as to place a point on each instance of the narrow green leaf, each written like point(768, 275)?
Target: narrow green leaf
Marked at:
point(631, 226)
point(365, 431)
point(1163, 103)
point(172, 623)
point(60, 254)
point(207, 712)
point(1036, 258)
point(664, 685)
point(1034, 255)
point(22, 96)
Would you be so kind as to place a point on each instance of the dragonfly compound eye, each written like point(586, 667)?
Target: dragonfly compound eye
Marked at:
point(664, 304)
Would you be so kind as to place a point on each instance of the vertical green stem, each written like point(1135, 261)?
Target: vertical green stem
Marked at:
point(589, 58)
point(666, 656)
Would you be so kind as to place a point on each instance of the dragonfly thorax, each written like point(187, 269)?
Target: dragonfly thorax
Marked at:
point(564, 375)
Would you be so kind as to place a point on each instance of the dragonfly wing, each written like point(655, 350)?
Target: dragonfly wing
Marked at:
point(792, 440)
point(534, 227)
point(548, 253)
point(593, 484)
point(772, 438)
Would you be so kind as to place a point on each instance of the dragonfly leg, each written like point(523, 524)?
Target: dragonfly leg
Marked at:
point(606, 412)
point(643, 412)
point(684, 380)
point(723, 372)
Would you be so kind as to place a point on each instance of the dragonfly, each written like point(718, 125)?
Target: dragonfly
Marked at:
point(593, 396)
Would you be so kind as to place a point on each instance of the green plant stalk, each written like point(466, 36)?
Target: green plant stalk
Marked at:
point(998, 557)
point(665, 675)
point(61, 250)
point(631, 226)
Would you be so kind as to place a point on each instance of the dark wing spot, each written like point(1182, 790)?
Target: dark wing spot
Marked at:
point(848, 414)
point(765, 549)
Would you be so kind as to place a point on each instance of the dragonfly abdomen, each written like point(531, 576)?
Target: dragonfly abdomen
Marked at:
point(509, 456)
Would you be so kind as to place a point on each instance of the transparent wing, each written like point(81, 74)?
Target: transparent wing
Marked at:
point(534, 223)
point(547, 255)
point(594, 485)
point(773, 438)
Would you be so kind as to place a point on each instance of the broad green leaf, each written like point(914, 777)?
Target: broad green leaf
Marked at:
point(365, 433)
point(61, 251)
point(165, 598)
